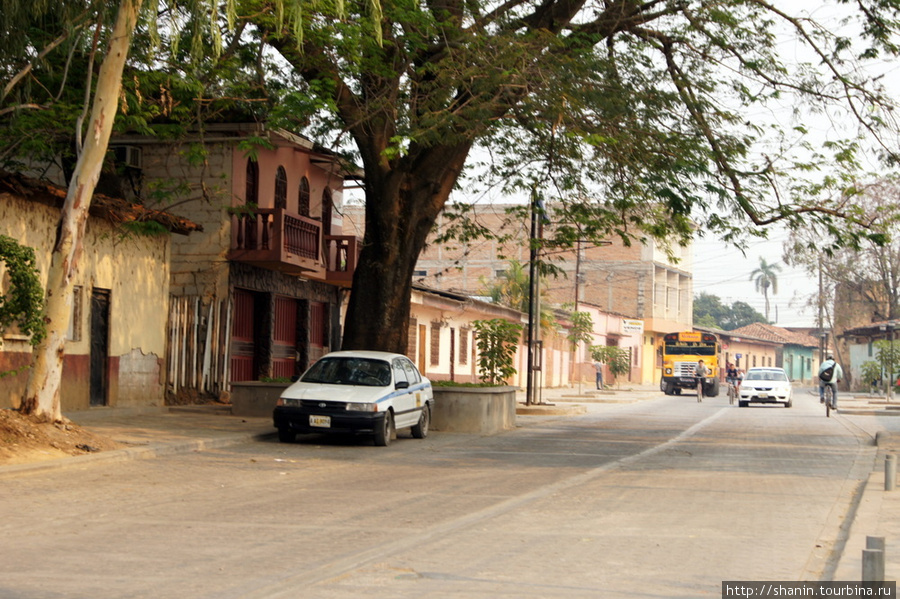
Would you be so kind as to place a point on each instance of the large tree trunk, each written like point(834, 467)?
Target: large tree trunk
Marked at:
point(402, 205)
point(42, 391)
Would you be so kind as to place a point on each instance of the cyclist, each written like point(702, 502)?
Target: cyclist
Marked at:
point(701, 372)
point(830, 373)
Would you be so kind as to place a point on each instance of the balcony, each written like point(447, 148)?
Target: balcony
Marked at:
point(341, 256)
point(275, 239)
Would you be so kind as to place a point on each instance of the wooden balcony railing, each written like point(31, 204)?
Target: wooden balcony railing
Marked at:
point(341, 257)
point(279, 240)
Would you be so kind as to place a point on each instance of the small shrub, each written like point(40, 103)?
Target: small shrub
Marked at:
point(497, 340)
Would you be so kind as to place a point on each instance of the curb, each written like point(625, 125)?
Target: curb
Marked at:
point(549, 410)
point(134, 453)
point(865, 520)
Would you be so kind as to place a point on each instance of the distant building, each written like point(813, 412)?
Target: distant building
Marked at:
point(797, 353)
point(638, 282)
point(859, 347)
point(258, 294)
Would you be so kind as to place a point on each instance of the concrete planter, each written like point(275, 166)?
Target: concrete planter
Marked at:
point(255, 399)
point(484, 410)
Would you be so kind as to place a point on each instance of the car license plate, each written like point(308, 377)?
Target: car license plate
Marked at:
point(763, 395)
point(320, 421)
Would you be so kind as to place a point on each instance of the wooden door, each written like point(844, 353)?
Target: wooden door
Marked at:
point(243, 337)
point(99, 347)
point(284, 342)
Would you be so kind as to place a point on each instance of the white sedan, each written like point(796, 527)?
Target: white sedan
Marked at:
point(365, 392)
point(766, 385)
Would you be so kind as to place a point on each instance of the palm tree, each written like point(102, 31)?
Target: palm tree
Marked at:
point(764, 277)
point(512, 288)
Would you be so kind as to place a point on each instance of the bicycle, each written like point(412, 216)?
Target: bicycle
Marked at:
point(829, 401)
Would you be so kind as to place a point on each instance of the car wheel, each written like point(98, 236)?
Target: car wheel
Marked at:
point(420, 429)
point(385, 432)
point(788, 404)
point(286, 435)
point(676, 391)
point(742, 404)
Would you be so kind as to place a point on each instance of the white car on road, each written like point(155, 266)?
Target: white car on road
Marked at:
point(766, 385)
point(365, 392)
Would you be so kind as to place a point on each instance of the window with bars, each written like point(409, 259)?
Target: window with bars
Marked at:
point(74, 332)
point(464, 345)
point(412, 338)
point(435, 343)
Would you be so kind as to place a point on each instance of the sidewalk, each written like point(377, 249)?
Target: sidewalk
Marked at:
point(151, 432)
point(877, 515)
point(572, 400)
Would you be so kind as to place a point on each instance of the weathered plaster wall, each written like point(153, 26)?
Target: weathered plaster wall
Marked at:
point(134, 269)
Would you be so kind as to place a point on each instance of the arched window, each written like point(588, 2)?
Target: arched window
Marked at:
point(251, 192)
point(281, 188)
point(303, 197)
point(327, 207)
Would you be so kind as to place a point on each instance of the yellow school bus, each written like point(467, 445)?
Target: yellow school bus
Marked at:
point(680, 354)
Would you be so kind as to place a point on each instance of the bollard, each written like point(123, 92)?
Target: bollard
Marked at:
point(890, 472)
point(872, 565)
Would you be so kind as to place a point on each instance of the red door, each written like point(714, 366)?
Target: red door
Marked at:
point(243, 337)
point(284, 349)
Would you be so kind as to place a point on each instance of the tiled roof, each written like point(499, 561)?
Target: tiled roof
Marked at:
point(108, 208)
point(772, 333)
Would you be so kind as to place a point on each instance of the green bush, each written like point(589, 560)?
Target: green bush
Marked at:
point(497, 340)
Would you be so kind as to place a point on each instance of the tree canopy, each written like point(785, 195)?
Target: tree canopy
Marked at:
point(634, 119)
point(868, 277)
point(709, 311)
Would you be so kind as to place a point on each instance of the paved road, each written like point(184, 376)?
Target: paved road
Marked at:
point(660, 498)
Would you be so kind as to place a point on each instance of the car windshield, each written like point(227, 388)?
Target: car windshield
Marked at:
point(766, 375)
point(349, 371)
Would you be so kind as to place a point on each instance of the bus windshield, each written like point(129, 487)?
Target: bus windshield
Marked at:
point(690, 348)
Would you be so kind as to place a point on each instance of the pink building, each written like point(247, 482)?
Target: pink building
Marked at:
point(258, 292)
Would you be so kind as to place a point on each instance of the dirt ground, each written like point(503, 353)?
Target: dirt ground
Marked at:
point(22, 440)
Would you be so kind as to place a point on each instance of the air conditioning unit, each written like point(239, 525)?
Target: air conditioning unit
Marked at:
point(129, 156)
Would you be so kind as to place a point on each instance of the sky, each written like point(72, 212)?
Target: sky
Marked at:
point(723, 271)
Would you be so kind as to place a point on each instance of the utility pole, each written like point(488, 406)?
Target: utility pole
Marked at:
point(577, 272)
point(532, 301)
point(821, 310)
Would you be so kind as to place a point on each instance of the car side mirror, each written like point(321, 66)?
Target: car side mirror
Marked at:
point(402, 385)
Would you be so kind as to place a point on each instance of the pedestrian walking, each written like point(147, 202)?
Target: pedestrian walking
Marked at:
point(598, 366)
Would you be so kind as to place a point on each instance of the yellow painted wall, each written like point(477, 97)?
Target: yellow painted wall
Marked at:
point(135, 271)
